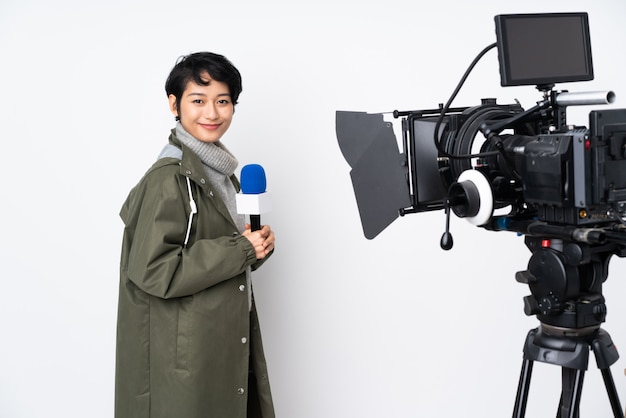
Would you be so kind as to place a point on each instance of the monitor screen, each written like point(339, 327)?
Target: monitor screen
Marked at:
point(543, 49)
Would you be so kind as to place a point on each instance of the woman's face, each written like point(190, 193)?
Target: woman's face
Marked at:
point(205, 111)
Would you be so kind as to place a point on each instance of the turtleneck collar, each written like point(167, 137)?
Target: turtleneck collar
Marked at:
point(214, 155)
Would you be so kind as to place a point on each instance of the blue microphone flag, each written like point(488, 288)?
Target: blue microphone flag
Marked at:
point(253, 179)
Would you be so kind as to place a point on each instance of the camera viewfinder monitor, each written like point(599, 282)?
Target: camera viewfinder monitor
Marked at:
point(543, 49)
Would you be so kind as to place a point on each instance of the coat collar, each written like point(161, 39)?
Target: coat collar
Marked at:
point(191, 166)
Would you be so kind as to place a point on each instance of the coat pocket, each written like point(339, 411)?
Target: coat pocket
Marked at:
point(183, 333)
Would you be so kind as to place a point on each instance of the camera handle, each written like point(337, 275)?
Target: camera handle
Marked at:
point(447, 242)
point(558, 100)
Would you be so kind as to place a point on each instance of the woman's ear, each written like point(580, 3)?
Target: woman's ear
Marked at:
point(173, 105)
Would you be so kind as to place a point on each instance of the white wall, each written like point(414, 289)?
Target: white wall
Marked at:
point(392, 327)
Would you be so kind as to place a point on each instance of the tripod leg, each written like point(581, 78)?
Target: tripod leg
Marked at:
point(612, 392)
point(572, 386)
point(522, 390)
point(606, 354)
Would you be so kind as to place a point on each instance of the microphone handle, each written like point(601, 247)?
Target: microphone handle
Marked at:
point(255, 222)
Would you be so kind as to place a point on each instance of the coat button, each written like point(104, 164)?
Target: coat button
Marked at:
point(202, 181)
point(188, 172)
point(240, 391)
point(242, 288)
point(244, 340)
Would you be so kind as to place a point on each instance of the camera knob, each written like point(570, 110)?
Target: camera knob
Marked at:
point(550, 304)
point(599, 312)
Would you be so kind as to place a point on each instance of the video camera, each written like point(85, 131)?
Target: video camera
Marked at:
point(562, 186)
point(544, 174)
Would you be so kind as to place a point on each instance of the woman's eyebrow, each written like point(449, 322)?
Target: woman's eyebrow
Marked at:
point(204, 95)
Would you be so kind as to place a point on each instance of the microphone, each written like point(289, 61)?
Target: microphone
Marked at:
point(253, 200)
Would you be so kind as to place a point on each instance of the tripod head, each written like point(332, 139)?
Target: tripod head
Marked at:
point(565, 278)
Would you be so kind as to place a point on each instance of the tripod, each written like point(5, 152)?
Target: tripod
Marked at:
point(565, 279)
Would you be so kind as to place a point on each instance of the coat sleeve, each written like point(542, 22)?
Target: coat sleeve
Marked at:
point(156, 216)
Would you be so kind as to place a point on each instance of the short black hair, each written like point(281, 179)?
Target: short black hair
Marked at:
point(193, 66)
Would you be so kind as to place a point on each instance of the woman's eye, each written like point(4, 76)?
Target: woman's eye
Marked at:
point(198, 101)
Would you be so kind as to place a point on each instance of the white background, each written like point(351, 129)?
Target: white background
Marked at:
point(392, 327)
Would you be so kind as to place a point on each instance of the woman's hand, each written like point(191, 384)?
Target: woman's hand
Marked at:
point(262, 240)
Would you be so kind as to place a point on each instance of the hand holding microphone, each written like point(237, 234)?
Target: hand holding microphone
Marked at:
point(252, 201)
point(262, 240)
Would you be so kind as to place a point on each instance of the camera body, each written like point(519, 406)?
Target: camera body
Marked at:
point(532, 161)
point(570, 176)
point(578, 176)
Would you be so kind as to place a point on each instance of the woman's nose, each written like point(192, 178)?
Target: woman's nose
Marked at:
point(210, 111)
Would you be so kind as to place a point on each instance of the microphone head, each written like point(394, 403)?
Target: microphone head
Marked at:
point(253, 179)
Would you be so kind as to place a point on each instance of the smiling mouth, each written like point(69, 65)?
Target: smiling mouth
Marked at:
point(210, 127)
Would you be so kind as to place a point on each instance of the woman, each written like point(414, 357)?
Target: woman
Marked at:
point(188, 340)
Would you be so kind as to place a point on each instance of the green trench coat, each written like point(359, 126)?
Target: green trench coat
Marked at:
point(186, 335)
